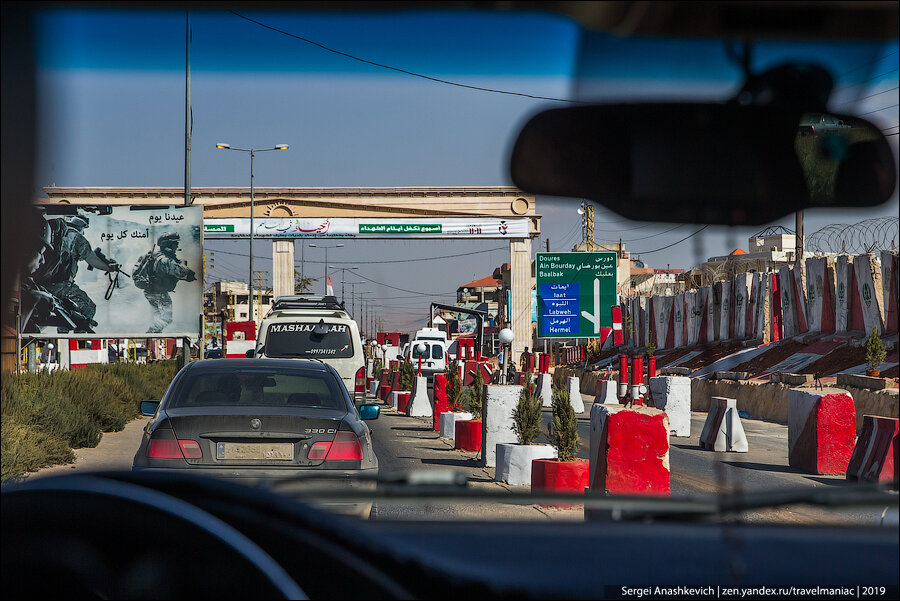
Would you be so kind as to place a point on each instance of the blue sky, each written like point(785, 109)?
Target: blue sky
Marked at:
point(112, 111)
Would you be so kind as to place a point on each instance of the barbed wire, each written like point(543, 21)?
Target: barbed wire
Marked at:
point(870, 235)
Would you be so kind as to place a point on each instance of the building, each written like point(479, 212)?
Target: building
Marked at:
point(768, 251)
point(233, 298)
point(648, 281)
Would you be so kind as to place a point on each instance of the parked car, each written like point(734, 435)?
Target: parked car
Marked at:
point(213, 353)
point(315, 327)
point(817, 123)
point(249, 421)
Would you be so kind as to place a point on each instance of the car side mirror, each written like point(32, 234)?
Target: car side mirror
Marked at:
point(149, 408)
point(370, 411)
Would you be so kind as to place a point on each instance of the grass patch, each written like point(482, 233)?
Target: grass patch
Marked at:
point(46, 415)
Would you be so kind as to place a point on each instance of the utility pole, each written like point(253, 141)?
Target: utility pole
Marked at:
point(260, 277)
point(188, 125)
point(798, 244)
point(548, 244)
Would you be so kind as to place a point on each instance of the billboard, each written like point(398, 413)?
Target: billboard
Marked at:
point(367, 227)
point(574, 293)
point(115, 272)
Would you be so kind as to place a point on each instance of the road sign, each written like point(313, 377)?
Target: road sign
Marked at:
point(574, 294)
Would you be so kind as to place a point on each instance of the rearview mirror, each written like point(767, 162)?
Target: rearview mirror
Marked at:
point(704, 163)
point(149, 408)
point(370, 411)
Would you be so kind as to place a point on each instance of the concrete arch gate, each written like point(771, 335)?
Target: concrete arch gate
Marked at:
point(286, 214)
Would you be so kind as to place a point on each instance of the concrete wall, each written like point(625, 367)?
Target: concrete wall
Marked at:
point(770, 401)
point(890, 281)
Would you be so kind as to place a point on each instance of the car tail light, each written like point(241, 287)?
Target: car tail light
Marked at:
point(164, 445)
point(361, 379)
point(318, 451)
point(344, 447)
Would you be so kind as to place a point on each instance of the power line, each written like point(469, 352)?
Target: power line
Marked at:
point(869, 96)
point(389, 286)
point(872, 62)
point(474, 252)
point(884, 108)
point(850, 85)
point(404, 71)
point(647, 252)
point(654, 235)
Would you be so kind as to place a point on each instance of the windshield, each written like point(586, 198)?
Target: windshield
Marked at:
point(328, 340)
point(365, 156)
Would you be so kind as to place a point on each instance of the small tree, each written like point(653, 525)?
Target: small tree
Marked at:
point(875, 351)
point(476, 396)
point(563, 430)
point(454, 388)
point(376, 368)
point(407, 373)
point(651, 348)
point(527, 414)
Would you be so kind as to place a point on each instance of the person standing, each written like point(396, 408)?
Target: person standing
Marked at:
point(164, 271)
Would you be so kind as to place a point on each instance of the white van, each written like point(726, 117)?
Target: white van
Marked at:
point(434, 359)
point(314, 327)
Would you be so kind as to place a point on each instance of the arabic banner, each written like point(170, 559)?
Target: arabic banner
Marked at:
point(412, 227)
point(575, 293)
point(115, 272)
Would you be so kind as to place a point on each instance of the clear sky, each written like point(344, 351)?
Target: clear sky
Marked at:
point(112, 114)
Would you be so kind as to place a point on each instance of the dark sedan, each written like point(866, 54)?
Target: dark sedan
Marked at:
point(262, 421)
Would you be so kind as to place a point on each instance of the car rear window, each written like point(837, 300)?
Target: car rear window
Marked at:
point(259, 387)
point(309, 339)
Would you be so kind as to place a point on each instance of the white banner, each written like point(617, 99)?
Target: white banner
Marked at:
point(331, 227)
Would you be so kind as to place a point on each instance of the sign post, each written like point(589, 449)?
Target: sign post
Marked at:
point(574, 291)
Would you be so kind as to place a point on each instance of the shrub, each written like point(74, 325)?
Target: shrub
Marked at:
point(563, 429)
point(376, 368)
point(454, 388)
point(876, 353)
point(527, 414)
point(47, 414)
point(407, 373)
point(475, 398)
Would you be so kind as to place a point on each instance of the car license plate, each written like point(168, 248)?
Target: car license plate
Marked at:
point(265, 451)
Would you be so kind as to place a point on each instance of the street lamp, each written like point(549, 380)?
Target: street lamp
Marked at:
point(343, 271)
point(506, 337)
point(252, 151)
point(325, 288)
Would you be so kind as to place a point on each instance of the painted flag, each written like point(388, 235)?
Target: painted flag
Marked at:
point(329, 289)
point(618, 338)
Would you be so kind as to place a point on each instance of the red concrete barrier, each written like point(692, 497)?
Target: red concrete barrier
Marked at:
point(874, 458)
point(821, 430)
point(632, 451)
point(441, 404)
point(403, 401)
point(384, 387)
point(468, 435)
point(552, 475)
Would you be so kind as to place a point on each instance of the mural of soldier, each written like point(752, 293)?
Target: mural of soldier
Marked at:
point(163, 272)
point(59, 300)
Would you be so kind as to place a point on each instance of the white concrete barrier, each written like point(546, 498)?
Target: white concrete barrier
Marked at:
point(395, 400)
point(842, 293)
point(662, 307)
point(723, 430)
point(871, 294)
point(496, 419)
point(672, 394)
point(890, 280)
point(678, 321)
point(606, 392)
point(419, 403)
point(740, 302)
point(373, 387)
point(514, 461)
point(448, 422)
point(575, 394)
point(800, 309)
point(545, 389)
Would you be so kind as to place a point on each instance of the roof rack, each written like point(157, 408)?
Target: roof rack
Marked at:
point(307, 302)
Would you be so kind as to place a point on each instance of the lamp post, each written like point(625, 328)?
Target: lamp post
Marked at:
point(343, 271)
point(325, 282)
point(252, 151)
point(421, 348)
point(506, 338)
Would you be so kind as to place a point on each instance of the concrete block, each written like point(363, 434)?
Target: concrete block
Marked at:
point(672, 394)
point(675, 371)
point(629, 451)
point(448, 423)
point(821, 430)
point(606, 393)
point(791, 379)
point(730, 375)
point(514, 461)
point(874, 458)
point(723, 430)
point(545, 390)
point(867, 269)
point(496, 418)
point(395, 400)
point(860, 381)
point(575, 394)
point(373, 387)
point(419, 404)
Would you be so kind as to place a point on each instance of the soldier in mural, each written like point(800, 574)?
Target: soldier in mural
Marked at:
point(157, 273)
point(54, 297)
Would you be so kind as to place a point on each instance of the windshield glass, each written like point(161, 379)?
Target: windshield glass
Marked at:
point(365, 156)
point(298, 339)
